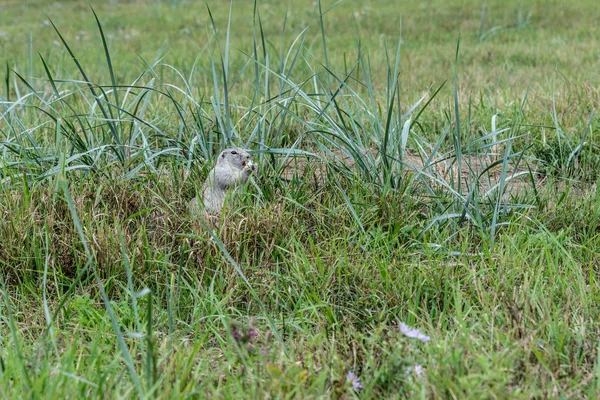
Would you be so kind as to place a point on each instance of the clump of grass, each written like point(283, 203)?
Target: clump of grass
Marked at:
point(570, 158)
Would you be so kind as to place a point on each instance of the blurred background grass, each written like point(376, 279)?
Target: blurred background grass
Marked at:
point(507, 46)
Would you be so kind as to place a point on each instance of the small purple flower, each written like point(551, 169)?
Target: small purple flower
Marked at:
point(237, 335)
point(413, 333)
point(355, 380)
point(242, 333)
point(417, 369)
point(252, 333)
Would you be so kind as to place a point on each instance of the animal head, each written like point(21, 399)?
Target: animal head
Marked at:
point(234, 157)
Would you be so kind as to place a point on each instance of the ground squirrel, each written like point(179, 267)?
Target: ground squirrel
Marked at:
point(233, 168)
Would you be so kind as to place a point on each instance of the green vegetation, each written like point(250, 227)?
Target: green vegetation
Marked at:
point(432, 163)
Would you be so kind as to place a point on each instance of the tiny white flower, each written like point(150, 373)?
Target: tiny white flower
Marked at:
point(355, 380)
point(417, 369)
point(413, 333)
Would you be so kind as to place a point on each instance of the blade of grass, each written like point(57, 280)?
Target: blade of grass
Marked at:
point(111, 313)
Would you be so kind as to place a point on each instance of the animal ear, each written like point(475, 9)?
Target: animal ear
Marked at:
point(223, 155)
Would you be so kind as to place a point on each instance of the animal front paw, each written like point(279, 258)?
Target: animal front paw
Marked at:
point(250, 167)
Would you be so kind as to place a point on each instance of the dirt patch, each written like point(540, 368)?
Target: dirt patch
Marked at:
point(485, 171)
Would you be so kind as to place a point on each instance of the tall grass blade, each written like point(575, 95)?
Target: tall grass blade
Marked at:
point(457, 137)
point(108, 59)
point(324, 41)
point(107, 305)
point(110, 120)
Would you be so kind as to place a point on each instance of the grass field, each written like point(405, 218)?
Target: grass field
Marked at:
point(432, 163)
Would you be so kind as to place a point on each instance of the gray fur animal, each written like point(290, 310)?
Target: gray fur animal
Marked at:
point(233, 168)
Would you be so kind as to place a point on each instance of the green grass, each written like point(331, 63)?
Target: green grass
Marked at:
point(109, 125)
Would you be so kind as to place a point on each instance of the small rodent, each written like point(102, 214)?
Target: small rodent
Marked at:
point(233, 168)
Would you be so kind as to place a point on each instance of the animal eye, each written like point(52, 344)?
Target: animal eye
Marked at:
point(234, 152)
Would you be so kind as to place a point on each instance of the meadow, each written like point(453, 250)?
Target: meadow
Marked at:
point(425, 221)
